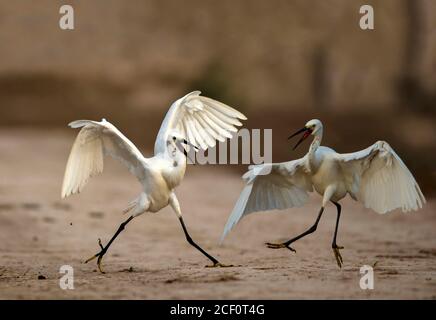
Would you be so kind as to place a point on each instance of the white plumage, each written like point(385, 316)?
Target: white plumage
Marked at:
point(375, 176)
point(191, 120)
point(271, 186)
point(94, 141)
point(378, 178)
point(200, 120)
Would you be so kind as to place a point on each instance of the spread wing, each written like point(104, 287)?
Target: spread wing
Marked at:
point(271, 186)
point(95, 140)
point(200, 120)
point(380, 179)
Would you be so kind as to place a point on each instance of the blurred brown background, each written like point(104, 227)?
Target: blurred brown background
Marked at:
point(280, 62)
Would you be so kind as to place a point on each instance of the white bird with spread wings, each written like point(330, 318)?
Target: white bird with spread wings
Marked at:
point(191, 121)
point(375, 176)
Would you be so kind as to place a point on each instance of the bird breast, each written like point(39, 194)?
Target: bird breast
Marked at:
point(327, 173)
point(174, 172)
point(162, 176)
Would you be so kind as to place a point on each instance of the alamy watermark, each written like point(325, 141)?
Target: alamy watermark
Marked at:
point(66, 282)
point(66, 22)
point(243, 147)
point(367, 280)
point(366, 22)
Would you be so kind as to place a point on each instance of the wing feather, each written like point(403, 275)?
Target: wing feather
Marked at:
point(226, 127)
point(212, 122)
point(190, 131)
point(223, 117)
point(379, 178)
point(204, 121)
point(204, 131)
point(204, 124)
point(207, 123)
point(95, 140)
point(271, 186)
point(229, 111)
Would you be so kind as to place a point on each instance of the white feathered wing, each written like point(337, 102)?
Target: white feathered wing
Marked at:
point(200, 120)
point(380, 180)
point(271, 186)
point(95, 140)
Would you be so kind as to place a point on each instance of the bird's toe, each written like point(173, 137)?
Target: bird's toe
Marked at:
point(100, 267)
point(291, 249)
point(274, 245)
point(278, 246)
point(91, 258)
point(338, 256)
point(99, 256)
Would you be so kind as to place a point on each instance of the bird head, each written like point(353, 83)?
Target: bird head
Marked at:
point(312, 127)
point(181, 143)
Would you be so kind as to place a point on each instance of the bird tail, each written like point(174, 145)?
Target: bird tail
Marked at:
point(238, 211)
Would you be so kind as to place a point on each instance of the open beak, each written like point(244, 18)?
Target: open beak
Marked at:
point(183, 149)
point(307, 133)
point(190, 144)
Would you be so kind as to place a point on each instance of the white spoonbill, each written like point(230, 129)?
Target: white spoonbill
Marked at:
point(375, 176)
point(191, 120)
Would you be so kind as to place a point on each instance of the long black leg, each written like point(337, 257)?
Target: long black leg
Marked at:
point(338, 207)
point(305, 233)
point(105, 248)
point(335, 247)
point(215, 262)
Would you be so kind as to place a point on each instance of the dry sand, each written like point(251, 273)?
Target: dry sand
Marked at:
point(151, 260)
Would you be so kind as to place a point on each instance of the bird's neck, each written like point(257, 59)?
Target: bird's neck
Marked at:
point(174, 170)
point(315, 144)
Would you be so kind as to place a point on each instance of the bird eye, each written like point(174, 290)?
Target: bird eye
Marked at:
point(174, 138)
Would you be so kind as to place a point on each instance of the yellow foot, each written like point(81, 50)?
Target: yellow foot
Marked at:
point(99, 256)
point(338, 256)
point(279, 246)
point(219, 265)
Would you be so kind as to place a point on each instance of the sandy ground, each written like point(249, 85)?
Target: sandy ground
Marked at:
point(151, 260)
